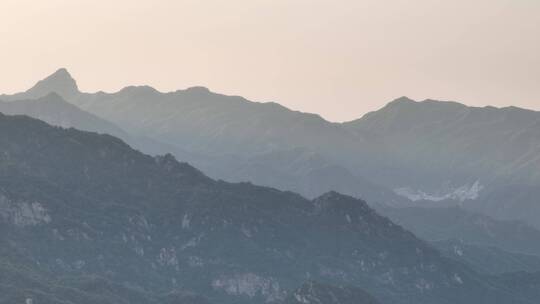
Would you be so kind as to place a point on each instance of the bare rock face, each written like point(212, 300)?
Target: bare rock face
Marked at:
point(60, 82)
point(23, 213)
point(317, 293)
point(250, 285)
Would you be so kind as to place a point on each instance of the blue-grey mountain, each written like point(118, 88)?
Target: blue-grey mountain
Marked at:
point(84, 218)
point(445, 153)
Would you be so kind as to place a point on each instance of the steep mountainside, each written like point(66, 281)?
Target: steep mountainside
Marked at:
point(54, 110)
point(91, 216)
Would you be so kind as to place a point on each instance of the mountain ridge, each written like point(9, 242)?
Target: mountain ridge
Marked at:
point(433, 150)
point(92, 207)
point(308, 178)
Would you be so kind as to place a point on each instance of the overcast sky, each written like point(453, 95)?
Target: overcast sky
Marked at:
point(336, 58)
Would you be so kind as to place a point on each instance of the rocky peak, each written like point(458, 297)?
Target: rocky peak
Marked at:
point(59, 82)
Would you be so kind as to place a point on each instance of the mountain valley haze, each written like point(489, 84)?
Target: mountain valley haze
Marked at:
point(269, 152)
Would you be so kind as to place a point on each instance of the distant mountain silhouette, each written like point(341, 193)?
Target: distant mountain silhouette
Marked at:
point(54, 110)
point(484, 159)
point(227, 137)
point(59, 82)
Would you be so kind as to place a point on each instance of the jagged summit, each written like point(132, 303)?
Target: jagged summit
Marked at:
point(61, 72)
point(402, 99)
point(60, 82)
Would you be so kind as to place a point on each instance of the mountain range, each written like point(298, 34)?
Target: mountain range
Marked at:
point(443, 153)
point(208, 129)
point(87, 219)
point(485, 159)
point(423, 154)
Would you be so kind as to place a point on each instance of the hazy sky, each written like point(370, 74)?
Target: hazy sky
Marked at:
point(336, 58)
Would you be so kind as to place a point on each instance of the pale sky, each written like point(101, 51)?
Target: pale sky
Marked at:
point(336, 58)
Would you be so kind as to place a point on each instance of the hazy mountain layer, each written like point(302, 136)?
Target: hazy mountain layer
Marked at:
point(77, 205)
point(54, 110)
point(437, 224)
point(486, 159)
point(488, 259)
point(227, 137)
